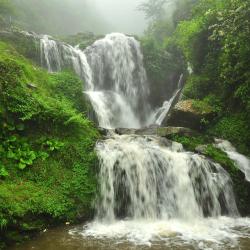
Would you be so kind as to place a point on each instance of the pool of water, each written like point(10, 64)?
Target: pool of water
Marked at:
point(125, 235)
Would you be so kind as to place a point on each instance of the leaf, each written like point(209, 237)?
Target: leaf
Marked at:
point(22, 166)
point(26, 161)
point(20, 127)
point(11, 127)
point(43, 155)
point(12, 138)
point(32, 155)
point(3, 171)
point(11, 155)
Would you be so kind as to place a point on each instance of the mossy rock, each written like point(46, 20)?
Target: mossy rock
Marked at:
point(188, 114)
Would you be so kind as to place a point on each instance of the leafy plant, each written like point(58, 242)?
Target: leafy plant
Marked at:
point(3, 171)
point(52, 145)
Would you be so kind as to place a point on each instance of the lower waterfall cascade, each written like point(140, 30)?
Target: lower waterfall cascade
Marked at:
point(150, 189)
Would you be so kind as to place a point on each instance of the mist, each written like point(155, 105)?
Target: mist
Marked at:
point(67, 17)
point(121, 15)
point(64, 17)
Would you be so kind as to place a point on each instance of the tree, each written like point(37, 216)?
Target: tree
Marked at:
point(183, 10)
point(5, 7)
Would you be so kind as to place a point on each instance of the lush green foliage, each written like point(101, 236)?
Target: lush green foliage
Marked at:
point(217, 46)
point(214, 40)
point(164, 67)
point(236, 128)
point(47, 161)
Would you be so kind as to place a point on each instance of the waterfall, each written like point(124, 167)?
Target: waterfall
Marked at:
point(153, 178)
point(112, 68)
point(150, 189)
point(161, 113)
point(56, 56)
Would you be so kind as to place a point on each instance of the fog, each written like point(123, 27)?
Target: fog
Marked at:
point(72, 16)
point(121, 15)
point(63, 17)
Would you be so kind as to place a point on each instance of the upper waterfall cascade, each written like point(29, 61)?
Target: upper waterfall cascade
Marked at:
point(116, 81)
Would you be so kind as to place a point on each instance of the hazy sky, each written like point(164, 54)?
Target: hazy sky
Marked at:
point(121, 15)
point(72, 16)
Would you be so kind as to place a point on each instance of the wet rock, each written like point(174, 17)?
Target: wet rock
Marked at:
point(31, 85)
point(125, 131)
point(184, 114)
point(103, 131)
point(167, 131)
point(201, 149)
point(158, 131)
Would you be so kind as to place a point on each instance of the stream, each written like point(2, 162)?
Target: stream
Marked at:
point(62, 239)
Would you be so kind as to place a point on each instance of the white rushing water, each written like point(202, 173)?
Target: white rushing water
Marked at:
point(112, 68)
point(242, 162)
point(153, 178)
point(161, 113)
point(150, 188)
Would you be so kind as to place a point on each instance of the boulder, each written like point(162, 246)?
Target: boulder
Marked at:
point(157, 131)
point(185, 114)
point(201, 149)
point(32, 85)
point(168, 131)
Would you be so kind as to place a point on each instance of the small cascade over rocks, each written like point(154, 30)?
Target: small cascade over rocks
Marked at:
point(161, 113)
point(56, 56)
point(147, 177)
point(242, 162)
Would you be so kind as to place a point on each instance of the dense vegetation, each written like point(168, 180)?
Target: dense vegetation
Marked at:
point(213, 37)
point(47, 162)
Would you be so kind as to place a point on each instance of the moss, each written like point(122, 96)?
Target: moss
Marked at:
point(190, 143)
point(82, 39)
point(27, 46)
point(235, 128)
point(202, 107)
point(42, 117)
point(221, 157)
